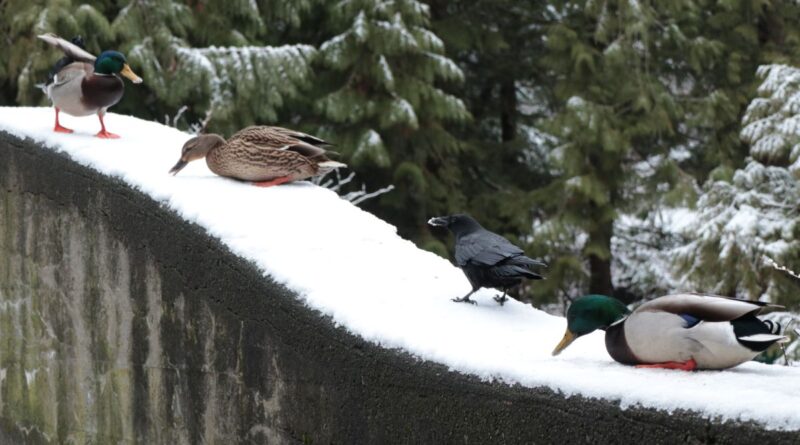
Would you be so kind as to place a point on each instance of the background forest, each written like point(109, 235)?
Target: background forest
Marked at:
point(638, 147)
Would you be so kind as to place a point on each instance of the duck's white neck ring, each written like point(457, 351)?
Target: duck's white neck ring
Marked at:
point(618, 321)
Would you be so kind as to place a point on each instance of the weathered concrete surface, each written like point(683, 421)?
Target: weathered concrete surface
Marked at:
point(122, 323)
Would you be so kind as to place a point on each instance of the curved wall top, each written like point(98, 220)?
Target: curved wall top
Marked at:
point(291, 291)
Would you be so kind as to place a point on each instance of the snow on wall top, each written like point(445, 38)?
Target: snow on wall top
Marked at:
point(352, 266)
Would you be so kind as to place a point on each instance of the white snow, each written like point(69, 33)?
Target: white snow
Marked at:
point(353, 267)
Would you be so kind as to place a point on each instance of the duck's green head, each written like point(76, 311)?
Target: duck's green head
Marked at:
point(113, 62)
point(589, 313)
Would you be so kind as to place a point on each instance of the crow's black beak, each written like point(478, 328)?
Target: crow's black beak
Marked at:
point(178, 167)
point(438, 222)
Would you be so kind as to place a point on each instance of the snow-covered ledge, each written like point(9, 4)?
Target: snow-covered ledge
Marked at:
point(139, 306)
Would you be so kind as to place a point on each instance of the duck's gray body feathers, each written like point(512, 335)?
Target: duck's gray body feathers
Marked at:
point(677, 328)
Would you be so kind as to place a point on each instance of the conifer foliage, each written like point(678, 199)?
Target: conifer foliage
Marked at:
point(616, 111)
point(385, 69)
point(648, 104)
point(756, 214)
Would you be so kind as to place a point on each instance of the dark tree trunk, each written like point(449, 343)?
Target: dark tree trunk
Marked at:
point(508, 110)
point(600, 268)
point(600, 282)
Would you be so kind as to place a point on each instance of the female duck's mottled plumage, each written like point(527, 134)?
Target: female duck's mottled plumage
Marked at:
point(684, 331)
point(82, 84)
point(261, 154)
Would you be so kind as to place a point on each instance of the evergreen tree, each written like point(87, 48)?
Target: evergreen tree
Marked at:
point(756, 214)
point(239, 85)
point(618, 111)
point(383, 72)
point(737, 37)
point(651, 92)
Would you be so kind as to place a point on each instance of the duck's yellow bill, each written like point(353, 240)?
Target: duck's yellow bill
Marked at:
point(128, 72)
point(569, 337)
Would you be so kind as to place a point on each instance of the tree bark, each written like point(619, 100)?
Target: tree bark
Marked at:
point(600, 282)
point(508, 110)
point(600, 268)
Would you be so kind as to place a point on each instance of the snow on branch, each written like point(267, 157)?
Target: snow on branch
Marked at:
point(360, 196)
point(195, 128)
point(772, 263)
point(355, 197)
point(771, 125)
point(252, 80)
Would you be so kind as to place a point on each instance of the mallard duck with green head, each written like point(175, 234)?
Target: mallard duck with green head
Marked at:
point(83, 84)
point(683, 331)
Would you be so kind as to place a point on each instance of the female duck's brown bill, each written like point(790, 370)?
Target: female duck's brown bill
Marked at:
point(178, 167)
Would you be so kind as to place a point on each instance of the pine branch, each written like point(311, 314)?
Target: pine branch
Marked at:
point(355, 197)
point(206, 120)
point(770, 262)
point(366, 196)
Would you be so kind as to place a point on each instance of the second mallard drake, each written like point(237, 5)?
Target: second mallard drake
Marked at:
point(263, 155)
point(82, 84)
point(683, 331)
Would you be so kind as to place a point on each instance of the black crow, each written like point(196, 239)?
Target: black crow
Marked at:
point(487, 259)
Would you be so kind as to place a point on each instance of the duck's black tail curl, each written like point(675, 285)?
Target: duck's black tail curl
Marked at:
point(773, 326)
point(755, 333)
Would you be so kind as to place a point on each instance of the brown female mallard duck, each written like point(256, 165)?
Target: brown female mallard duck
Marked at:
point(82, 84)
point(682, 331)
point(264, 155)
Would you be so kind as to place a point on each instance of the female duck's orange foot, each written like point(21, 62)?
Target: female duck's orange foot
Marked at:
point(689, 365)
point(103, 134)
point(270, 183)
point(59, 129)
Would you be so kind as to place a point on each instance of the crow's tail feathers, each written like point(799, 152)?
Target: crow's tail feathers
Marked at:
point(524, 261)
point(516, 271)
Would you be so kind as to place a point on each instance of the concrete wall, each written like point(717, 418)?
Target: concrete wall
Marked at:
point(122, 323)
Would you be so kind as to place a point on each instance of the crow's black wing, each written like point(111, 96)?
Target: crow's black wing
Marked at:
point(484, 248)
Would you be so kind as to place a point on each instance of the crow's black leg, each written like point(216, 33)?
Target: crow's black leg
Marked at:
point(501, 299)
point(465, 298)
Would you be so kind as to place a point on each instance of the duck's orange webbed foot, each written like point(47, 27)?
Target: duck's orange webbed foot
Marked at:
point(103, 133)
point(271, 182)
point(58, 128)
point(689, 365)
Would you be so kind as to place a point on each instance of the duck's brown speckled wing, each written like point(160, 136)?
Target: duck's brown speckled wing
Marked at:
point(278, 138)
point(239, 158)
